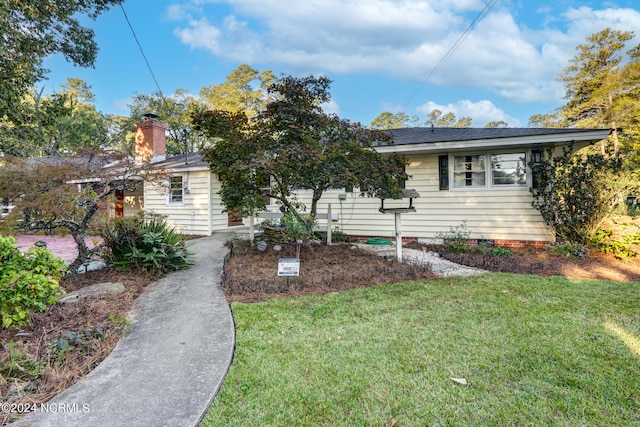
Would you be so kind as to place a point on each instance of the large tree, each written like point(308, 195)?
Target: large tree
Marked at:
point(602, 88)
point(388, 120)
point(293, 145)
point(443, 120)
point(34, 29)
point(577, 191)
point(244, 90)
point(64, 122)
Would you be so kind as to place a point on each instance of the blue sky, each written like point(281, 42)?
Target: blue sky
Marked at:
point(382, 55)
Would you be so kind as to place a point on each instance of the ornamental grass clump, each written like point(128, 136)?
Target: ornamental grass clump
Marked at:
point(29, 282)
point(146, 242)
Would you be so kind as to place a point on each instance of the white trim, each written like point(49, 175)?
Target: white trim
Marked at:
point(579, 139)
point(488, 171)
point(210, 204)
point(170, 202)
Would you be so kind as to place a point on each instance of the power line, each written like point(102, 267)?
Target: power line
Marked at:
point(142, 52)
point(452, 49)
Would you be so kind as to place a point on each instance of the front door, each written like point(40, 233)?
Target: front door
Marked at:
point(119, 203)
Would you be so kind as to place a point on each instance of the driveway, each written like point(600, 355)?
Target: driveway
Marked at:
point(63, 247)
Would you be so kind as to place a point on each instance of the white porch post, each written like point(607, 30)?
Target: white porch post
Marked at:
point(251, 229)
point(398, 237)
point(329, 225)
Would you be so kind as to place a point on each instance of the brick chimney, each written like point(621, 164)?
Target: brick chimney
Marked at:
point(150, 140)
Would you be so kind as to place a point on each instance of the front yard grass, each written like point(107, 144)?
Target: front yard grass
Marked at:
point(533, 350)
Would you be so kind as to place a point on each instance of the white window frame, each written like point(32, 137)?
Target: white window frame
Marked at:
point(488, 171)
point(171, 194)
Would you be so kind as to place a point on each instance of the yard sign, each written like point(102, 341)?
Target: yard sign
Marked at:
point(288, 266)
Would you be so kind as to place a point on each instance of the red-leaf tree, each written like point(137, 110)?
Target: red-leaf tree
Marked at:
point(54, 194)
point(292, 144)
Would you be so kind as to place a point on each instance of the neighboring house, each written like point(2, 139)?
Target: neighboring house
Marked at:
point(477, 176)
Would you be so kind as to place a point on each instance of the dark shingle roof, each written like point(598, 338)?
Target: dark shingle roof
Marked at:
point(182, 161)
point(419, 135)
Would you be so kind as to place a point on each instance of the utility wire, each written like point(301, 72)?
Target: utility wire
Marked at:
point(452, 49)
point(142, 52)
point(164, 99)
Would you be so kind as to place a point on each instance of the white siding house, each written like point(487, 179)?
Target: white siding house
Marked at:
point(188, 198)
point(480, 177)
point(477, 176)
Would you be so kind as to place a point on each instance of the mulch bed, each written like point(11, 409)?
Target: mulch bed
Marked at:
point(251, 275)
point(596, 265)
point(58, 373)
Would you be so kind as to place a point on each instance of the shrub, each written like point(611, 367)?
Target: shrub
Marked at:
point(298, 227)
point(568, 250)
point(456, 239)
point(623, 247)
point(494, 251)
point(29, 282)
point(575, 193)
point(146, 242)
point(337, 236)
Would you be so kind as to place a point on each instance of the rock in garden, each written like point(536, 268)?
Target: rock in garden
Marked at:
point(94, 291)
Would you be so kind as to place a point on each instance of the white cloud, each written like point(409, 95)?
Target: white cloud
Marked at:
point(121, 106)
point(481, 112)
point(331, 107)
point(405, 39)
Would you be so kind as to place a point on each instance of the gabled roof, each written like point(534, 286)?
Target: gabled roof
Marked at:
point(433, 140)
point(183, 162)
point(441, 140)
point(96, 161)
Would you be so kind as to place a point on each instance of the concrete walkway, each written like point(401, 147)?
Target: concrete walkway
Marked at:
point(170, 365)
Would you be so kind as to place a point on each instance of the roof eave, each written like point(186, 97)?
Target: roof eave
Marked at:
point(578, 139)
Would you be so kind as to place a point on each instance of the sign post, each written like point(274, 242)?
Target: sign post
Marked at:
point(397, 211)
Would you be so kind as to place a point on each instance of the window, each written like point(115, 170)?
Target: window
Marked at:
point(509, 169)
point(469, 171)
point(490, 170)
point(176, 189)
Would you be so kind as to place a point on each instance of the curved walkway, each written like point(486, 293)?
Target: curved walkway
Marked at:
point(170, 365)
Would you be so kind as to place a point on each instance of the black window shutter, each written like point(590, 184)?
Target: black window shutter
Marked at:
point(443, 171)
point(536, 165)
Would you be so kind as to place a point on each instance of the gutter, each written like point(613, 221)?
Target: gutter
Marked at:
point(579, 139)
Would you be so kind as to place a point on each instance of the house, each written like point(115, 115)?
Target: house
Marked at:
point(477, 176)
point(188, 198)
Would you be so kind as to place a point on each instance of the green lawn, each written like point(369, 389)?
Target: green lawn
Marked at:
point(534, 351)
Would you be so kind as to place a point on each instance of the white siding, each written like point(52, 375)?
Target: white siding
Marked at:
point(503, 214)
point(219, 219)
point(192, 215)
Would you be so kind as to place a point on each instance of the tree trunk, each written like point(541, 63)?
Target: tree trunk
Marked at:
point(84, 254)
point(616, 147)
point(314, 202)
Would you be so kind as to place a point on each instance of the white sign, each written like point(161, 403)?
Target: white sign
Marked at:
point(288, 266)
